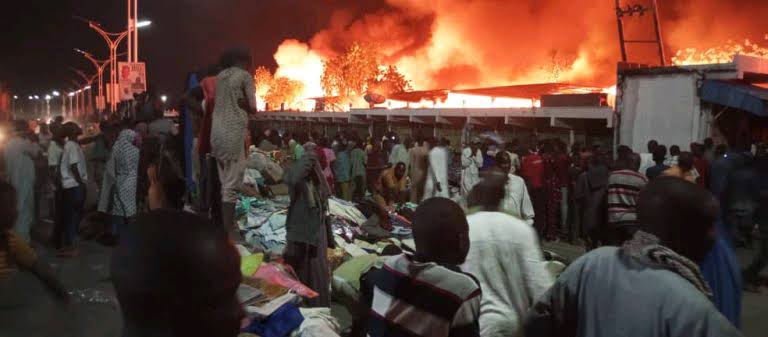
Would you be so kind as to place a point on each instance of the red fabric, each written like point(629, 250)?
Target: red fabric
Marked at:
point(532, 170)
point(702, 165)
point(562, 164)
point(208, 85)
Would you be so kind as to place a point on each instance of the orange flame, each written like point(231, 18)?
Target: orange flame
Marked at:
point(720, 54)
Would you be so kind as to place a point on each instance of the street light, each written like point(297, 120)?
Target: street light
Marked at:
point(56, 93)
point(143, 23)
point(164, 98)
point(113, 41)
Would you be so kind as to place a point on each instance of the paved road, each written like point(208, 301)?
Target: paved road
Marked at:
point(92, 317)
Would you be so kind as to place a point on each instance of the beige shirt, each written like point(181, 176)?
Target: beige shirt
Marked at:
point(230, 120)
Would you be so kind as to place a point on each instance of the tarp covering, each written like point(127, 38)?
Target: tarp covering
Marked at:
point(737, 95)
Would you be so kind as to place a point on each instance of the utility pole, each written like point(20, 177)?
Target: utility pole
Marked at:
point(640, 10)
point(100, 66)
point(88, 82)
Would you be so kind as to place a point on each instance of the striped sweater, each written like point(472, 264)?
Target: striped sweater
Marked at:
point(423, 299)
point(624, 187)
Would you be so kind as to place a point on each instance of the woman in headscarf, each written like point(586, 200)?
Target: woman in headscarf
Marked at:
point(118, 196)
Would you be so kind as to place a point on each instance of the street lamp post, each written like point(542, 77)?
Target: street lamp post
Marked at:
point(113, 41)
point(100, 65)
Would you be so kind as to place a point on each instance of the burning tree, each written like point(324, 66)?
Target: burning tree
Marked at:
point(349, 76)
point(263, 80)
point(389, 81)
point(283, 90)
point(276, 91)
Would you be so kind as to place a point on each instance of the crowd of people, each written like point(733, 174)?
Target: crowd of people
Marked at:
point(650, 221)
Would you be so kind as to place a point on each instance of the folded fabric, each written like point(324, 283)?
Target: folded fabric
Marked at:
point(345, 210)
point(281, 323)
point(250, 264)
point(246, 293)
point(264, 310)
point(351, 248)
point(273, 273)
point(318, 322)
point(352, 269)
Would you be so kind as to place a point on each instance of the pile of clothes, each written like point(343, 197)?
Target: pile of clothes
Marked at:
point(271, 296)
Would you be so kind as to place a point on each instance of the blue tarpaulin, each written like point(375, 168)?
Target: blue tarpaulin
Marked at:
point(737, 95)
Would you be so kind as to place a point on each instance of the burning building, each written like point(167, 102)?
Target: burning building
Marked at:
point(485, 54)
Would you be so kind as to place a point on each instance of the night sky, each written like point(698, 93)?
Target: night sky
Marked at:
point(37, 36)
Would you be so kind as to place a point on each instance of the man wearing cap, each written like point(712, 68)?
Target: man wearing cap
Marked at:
point(19, 154)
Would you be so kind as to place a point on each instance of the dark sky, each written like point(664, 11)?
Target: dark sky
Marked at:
point(37, 36)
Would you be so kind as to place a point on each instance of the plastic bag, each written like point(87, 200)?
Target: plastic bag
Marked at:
point(275, 274)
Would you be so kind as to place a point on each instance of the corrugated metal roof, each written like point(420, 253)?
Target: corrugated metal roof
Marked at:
point(736, 94)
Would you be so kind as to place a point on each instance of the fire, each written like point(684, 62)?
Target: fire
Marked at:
point(460, 44)
point(460, 100)
point(720, 54)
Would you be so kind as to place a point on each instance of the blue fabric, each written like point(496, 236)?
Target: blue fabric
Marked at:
point(736, 95)
point(281, 323)
point(723, 274)
point(192, 82)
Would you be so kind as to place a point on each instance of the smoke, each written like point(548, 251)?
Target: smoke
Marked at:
point(469, 43)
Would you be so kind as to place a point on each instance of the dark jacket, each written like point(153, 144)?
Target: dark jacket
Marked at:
point(591, 191)
point(307, 213)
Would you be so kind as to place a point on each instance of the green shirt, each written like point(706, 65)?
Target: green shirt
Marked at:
point(298, 151)
point(358, 162)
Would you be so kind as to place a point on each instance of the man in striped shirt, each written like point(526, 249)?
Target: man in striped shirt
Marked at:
point(426, 294)
point(624, 185)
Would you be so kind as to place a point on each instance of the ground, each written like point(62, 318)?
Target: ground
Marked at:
point(94, 311)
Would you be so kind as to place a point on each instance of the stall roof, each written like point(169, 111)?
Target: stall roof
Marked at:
point(736, 94)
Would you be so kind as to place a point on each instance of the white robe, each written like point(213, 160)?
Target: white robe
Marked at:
point(505, 257)
point(517, 201)
point(399, 155)
point(470, 169)
point(437, 172)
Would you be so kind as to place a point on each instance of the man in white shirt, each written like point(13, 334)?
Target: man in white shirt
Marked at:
point(74, 178)
point(505, 257)
point(437, 173)
point(471, 162)
point(19, 153)
point(516, 200)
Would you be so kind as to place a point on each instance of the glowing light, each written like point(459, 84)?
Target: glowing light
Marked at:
point(164, 98)
point(56, 93)
point(87, 88)
point(71, 94)
point(30, 98)
point(143, 23)
point(37, 97)
point(47, 97)
point(15, 97)
point(719, 54)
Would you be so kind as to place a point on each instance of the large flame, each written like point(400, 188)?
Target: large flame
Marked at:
point(719, 54)
point(455, 44)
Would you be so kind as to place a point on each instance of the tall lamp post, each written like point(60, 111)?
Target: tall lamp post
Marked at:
point(113, 41)
point(100, 65)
